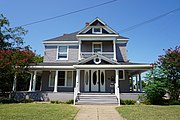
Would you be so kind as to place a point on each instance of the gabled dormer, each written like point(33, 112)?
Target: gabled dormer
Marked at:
point(97, 36)
point(97, 27)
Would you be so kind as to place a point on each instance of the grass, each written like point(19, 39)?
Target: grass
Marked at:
point(34, 111)
point(149, 112)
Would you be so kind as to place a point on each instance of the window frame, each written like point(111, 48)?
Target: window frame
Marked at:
point(97, 32)
point(100, 43)
point(57, 56)
point(65, 82)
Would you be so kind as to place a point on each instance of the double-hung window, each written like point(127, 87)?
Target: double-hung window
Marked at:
point(62, 53)
point(97, 47)
point(97, 30)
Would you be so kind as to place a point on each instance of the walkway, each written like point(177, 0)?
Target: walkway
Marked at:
point(97, 112)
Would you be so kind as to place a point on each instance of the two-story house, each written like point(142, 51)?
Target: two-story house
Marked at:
point(92, 60)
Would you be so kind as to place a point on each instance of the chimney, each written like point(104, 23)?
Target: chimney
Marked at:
point(65, 34)
point(87, 23)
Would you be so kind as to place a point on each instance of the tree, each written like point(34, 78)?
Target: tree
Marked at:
point(170, 65)
point(14, 57)
point(164, 77)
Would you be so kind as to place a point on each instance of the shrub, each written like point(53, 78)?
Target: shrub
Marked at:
point(70, 102)
point(128, 102)
point(25, 101)
point(8, 101)
point(174, 102)
point(52, 102)
point(57, 102)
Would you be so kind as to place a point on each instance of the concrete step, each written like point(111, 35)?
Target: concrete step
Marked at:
point(96, 98)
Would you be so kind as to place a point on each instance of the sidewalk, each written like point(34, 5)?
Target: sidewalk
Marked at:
point(97, 112)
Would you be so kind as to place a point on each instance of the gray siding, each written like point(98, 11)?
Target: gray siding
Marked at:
point(86, 46)
point(50, 54)
point(121, 52)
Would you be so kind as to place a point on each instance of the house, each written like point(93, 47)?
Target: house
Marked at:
point(92, 60)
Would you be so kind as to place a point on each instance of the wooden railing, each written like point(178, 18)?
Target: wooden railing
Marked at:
point(106, 54)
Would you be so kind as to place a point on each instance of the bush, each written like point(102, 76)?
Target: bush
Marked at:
point(8, 101)
point(25, 101)
point(127, 102)
point(70, 102)
point(56, 102)
point(174, 102)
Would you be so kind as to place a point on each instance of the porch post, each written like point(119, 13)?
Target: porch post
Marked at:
point(34, 81)
point(30, 84)
point(114, 47)
point(14, 82)
point(117, 86)
point(77, 80)
point(79, 56)
point(56, 81)
point(132, 84)
point(140, 81)
point(137, 86)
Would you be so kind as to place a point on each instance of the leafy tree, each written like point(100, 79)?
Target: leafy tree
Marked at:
point(165, 76)
point(14, 57)
point(170, 65)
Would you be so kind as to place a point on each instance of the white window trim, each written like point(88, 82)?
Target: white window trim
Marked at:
point(97, 32)
point(123, 75)
point(93, 46)
point(58, 52)
point(65, 79)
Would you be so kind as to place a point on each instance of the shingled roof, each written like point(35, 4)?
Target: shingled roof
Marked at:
point(65, 37)
point(72, 37)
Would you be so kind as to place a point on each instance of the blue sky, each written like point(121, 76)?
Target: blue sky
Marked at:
point(145, 43)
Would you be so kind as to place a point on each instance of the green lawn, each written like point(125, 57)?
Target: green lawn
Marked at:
point(149, 112)
point(34, 111)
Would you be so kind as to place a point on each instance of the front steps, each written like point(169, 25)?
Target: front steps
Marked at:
point(96, 99)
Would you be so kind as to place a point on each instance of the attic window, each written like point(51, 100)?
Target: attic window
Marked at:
point(97, 30)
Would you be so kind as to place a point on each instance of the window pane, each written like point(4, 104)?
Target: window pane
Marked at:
point(69, 78)
point(52, 78)
point(97, 30)
point(120, 74)
point(62, 55)
point(62, 48)
point(97, 47)
point(61, 78)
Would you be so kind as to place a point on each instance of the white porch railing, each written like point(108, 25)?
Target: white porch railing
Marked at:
point(106, 54)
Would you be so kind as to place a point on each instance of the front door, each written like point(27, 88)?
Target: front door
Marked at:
point(97, 81)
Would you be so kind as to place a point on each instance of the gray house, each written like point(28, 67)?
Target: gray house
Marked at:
point(92, 61)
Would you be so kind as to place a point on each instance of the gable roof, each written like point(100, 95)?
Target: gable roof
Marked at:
point(65, 37)
point(97, 22)
point(100, 56)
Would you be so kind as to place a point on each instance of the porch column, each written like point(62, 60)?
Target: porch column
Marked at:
point(140, 81)
point(132, 84)
point(34, 81)
point(79, 56)
point(14, 82)
point(56, 81)
point(77, 80)
point(117, 81)
point(114, 47)
point(30, 84)
point(137, 86)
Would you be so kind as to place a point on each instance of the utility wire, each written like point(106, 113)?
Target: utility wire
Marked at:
point(69, 13)
point(148, 21)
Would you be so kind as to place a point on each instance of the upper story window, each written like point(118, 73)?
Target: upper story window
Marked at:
point(62, 53)
point(97, 30)
point(97, 47)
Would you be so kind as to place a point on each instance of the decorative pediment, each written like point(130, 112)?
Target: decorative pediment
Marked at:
point(97, 59)
point(97, 27)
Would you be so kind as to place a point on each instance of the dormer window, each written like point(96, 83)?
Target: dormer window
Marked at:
point(97, 30)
